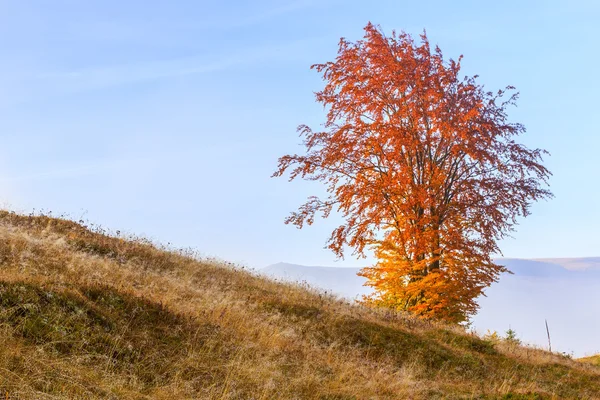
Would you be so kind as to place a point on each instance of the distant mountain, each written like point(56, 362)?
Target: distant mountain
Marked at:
point(537, 268)
point(342, 281)
point(566, 268)
point(565, 291)
point(574, 264)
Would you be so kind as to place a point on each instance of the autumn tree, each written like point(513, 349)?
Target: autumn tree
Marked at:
point(423, 166)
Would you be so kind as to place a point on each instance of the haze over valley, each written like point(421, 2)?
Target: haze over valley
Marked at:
point(562, 290)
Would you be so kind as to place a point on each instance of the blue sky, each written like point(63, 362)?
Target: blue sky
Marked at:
point(166, 118)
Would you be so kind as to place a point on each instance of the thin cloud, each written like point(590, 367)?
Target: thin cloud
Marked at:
point(100, 77)
point(49, 84)
point(263, 16)
point(132, 29)
point(77, 171)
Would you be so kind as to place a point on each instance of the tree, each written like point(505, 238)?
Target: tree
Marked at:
point(424, 168)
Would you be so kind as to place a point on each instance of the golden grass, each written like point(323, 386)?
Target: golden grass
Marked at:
point(594, 360)
point(84, 314)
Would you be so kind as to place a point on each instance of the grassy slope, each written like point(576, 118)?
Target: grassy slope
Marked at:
point(86, 315)
point(594, 360)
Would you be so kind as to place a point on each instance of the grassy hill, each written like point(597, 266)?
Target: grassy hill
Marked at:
point(87, 315)
point(595, 360)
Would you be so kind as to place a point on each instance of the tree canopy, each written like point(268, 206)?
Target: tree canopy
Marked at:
point(424, 168)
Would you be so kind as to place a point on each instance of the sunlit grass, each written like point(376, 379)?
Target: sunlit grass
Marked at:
point(89, 314)
point(594, 360)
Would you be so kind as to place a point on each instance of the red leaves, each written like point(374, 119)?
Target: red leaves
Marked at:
point(423, 166)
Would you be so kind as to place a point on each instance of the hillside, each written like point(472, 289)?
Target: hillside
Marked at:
point(87, 315)
point(523, 300)
point(595, 360)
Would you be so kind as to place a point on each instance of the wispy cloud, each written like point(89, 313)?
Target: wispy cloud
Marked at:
point(263, 15)
point(131, 28)
point(76, 171)
point(56, 83)
point(114, 75)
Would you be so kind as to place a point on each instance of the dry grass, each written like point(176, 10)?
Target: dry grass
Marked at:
point(84, 314)
point(594, 360)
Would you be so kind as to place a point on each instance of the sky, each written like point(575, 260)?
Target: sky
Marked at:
point(166, 118)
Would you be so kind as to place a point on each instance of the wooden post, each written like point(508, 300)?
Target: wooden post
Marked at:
point(548, 332)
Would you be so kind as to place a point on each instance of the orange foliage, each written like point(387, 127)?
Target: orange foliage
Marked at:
point(424, 169)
